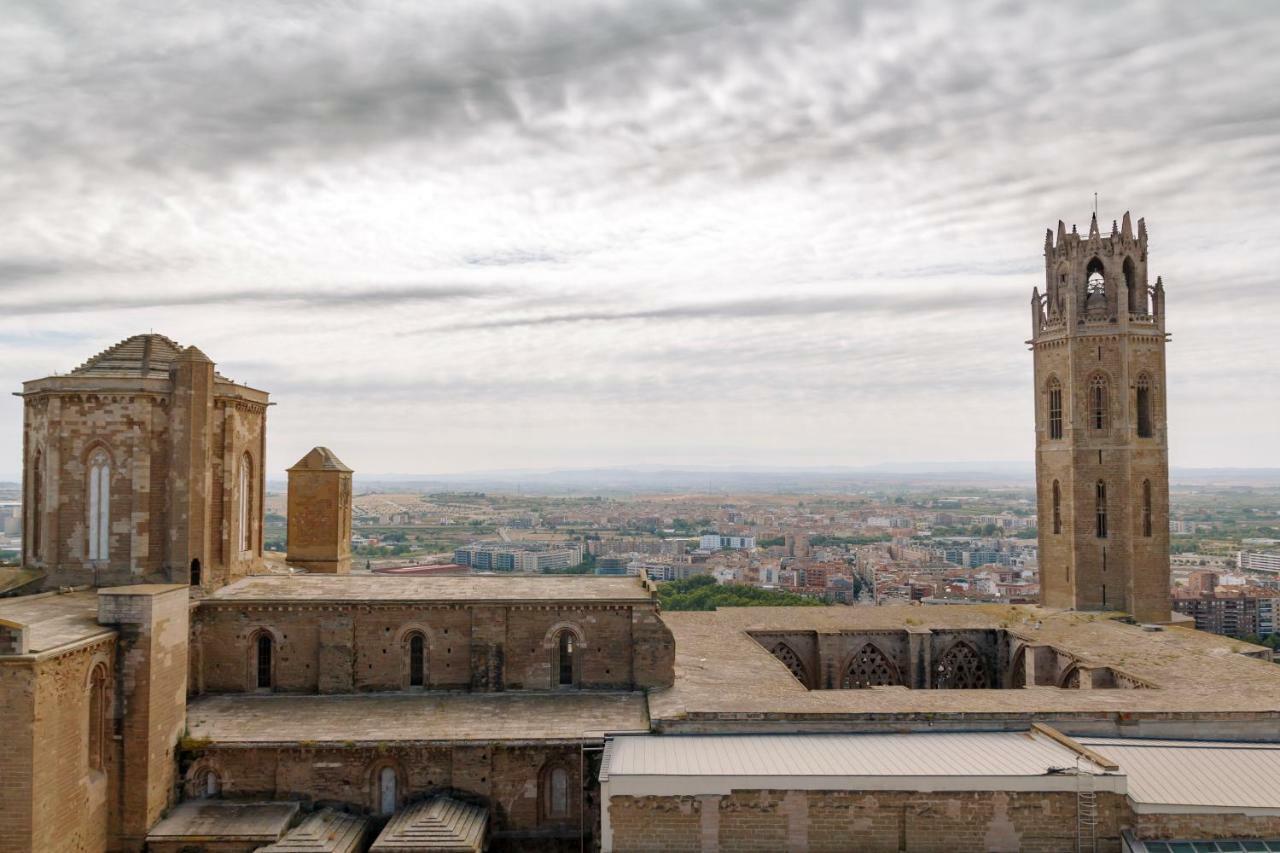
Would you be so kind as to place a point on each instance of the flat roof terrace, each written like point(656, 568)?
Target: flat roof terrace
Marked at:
point(726, 680)
point(53, 620)
point(354, 720)
point(476, 589)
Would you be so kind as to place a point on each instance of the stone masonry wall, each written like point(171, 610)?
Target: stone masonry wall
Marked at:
point(508, 777)
point(339, 648)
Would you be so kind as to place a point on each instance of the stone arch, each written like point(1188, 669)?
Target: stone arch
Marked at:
point(415, 657)
point(262, 658)
point(99, 713)
point(1144, 411)
point(1070, 679)
point(388, 786)
point(565, 644)
point(869, 667)
point(1018, 668)
point(791, 661)
point(99, 470)
point(1098, 401)
point(204, 780)
point(244, 502)
point(961, 667)
point(555, 791)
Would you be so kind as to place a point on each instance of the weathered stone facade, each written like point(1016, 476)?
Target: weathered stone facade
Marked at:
point(143, 464)
point(1102, 466)
point(320, 513)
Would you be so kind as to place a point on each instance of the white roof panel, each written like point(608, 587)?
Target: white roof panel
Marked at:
point(1168, 775)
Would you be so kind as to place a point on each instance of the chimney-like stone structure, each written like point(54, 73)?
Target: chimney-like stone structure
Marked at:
point(320, 513)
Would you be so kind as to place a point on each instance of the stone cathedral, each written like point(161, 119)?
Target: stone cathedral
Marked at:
point(1102, 452)
point(175, 690)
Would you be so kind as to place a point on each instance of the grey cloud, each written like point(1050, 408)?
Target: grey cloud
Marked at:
point(346, 296)
point(783, 305)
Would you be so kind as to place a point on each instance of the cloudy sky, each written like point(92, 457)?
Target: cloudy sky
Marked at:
point(471, 235)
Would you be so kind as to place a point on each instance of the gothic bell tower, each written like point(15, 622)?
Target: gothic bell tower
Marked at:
point(1102, 458)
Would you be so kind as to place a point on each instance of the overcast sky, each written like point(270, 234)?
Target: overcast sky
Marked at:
point(452, 236)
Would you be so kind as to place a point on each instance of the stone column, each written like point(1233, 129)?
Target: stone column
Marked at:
point(190, 473)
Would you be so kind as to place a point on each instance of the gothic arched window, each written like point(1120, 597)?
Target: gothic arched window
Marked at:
point(1070, 679)
point(1131, 287)
point(1098, 396)
point(787, 655)
point(566, 672)
point(417, 660)
point(1055, 408)
point(99, 505)
point(1100, 509)
point(37, 503)
point(869, 668)
point(1146, 507)
point(1143, 405)
point(246, 503)
point(1057, 507)
point(208, 784)
point(555, 793)
point(1095, 280)
point(97, 716)
point(961, 668)
point(263, 669)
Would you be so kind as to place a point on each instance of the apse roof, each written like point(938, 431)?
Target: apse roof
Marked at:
point(146, 355)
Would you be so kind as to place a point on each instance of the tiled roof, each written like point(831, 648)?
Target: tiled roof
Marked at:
point(326, 831)
point(438, 825)
point(320, 459)
point(141, 355)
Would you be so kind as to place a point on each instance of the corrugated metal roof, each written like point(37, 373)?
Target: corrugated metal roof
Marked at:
point(1206, 774)
point(918, 754)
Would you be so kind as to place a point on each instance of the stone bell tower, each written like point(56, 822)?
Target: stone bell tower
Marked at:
point(320, 513)
point(1102, 459)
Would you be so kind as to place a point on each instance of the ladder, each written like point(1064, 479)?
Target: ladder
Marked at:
point(1086, 812)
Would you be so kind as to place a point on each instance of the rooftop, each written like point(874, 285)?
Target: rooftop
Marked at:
point(55, 619)
point(221, 820)
point(325, 831)
point(242, 720)
point(721, 671)
point(141, 355)
point(440, 823)
point(468, 588)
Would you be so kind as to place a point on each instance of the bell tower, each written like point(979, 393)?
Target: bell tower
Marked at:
point(1102, 458)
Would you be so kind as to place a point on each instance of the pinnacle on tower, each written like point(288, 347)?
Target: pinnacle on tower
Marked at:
point(1126, 227)
point(1062, 231)
point(1048, 240)
point(1115, 229)
point(1093, 226)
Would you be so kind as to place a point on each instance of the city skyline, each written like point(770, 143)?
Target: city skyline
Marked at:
point(772, 235)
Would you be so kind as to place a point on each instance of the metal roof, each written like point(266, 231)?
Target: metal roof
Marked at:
point(1188, 775)
point(950, 754)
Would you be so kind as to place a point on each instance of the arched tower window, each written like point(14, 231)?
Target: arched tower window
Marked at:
point(1146, 507)
point(37, 503)
point(1095, 279)
point(1057, 507)
point(1055, 408)
point(566, 652)
point(417, 660)
point(387, 784)
point(246, 503)
point(1098, 397)
point(99, 505)
point(1143, 405)
point(1100, 508)
point(869, 668)
point(262, 659)
point(1131, 288)
point(97, 716)
point(961, 668)
point(787, 655)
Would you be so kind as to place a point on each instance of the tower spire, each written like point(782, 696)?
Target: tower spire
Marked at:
point(1093, 226)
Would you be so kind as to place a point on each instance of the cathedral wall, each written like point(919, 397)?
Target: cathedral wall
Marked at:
point(341, 648)
point(67, 430)
point(512, 778)
point(69, 797)
point(888, 821)
point(17, 767)
point(239, 434)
